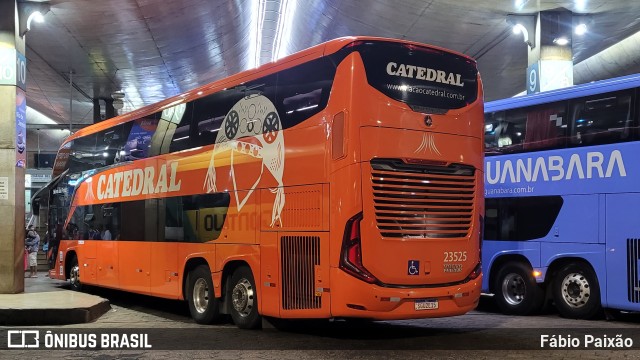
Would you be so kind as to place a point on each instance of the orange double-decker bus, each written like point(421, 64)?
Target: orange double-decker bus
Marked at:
point(342, 181)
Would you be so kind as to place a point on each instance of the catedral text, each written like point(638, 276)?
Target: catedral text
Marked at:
point(138, 181)
point(422, 73)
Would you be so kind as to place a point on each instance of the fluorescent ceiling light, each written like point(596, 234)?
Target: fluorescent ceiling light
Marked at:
point(581, 29)
point(562, 41)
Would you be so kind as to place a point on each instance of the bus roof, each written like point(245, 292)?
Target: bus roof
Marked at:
point(593, 88)
point(311, 53)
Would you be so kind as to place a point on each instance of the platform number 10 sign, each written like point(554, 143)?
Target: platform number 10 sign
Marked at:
point(13, 68)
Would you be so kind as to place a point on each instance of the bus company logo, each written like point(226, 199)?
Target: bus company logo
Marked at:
point(135, 182)
point(422, 73)
point(248, 118)
point(428, 143)
point(593, 164)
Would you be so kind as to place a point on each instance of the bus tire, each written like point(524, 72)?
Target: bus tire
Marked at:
point(74, 275)
point(242, 298)
point(576, 292)
point(203, 304)
point(516, 291)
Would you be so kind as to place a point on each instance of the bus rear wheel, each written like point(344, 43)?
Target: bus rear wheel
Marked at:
point(74, 275)
point(576, 292)
point(242, 298)
point(203, 304)
point(516, 291)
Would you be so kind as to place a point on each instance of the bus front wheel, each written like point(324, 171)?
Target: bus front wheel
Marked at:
point(74, 275)
point(516, 291)
point(203, 304)
point(576, 292)
point(243, 299)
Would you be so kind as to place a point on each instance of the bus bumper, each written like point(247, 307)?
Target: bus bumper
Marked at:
point(351, 297)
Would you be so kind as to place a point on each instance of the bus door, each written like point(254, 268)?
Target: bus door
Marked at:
point(106, 248)
point(134, 248)
point(623, 252)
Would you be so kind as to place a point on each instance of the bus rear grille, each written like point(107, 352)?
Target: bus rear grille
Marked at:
point(422, 201)
point(633, 256)
point(299, 256)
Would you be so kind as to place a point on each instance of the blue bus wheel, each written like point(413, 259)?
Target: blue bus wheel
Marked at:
point(515, 289)
point(576, 291)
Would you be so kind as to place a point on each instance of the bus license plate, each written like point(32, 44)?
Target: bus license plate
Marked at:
point(426, 304)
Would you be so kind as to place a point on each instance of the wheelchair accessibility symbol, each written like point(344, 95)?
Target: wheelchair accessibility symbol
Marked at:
point(413, 267)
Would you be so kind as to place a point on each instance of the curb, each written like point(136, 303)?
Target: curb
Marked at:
point(54, 316)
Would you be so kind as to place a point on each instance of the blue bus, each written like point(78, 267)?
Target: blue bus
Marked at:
point(562, 189)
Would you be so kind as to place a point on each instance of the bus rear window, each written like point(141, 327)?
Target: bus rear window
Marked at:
point(424, 78)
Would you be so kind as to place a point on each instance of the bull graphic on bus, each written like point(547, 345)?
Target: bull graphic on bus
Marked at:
point(252, 127)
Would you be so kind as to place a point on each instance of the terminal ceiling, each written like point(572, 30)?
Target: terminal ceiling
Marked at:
point(154, 49)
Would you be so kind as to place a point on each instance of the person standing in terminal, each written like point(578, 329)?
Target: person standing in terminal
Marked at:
point(32, 244)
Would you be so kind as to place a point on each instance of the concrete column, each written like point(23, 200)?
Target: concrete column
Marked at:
point(96, 111)
point(550, 64)
point(109, 109)
point(12, 149)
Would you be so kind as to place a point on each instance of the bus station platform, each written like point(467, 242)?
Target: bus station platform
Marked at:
point(47, 301)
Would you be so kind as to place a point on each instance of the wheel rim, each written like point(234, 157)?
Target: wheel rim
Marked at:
point(576, 290)
point(242, 297)
point(74, 275)
point(201, 295)
point(513, 289)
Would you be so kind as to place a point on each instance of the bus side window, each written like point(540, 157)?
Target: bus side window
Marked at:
point(511, 129)
point(211, 111)
point(602, 119)
point(492, 122)
point(111, 142)
point(177, 120)
point(303, 91)
point(521, 218)
point(82, 156)
point(546, 127)
point(209, 114)
point(195, 218)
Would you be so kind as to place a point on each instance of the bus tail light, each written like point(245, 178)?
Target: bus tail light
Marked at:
point(481, 237)
point(477, 271)
point(351, 253)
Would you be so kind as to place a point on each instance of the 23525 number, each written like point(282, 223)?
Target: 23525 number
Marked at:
point(455, 256)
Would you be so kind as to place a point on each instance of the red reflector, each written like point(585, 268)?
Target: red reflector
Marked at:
point(422, 49)
point(354, 254)
point(355, 43)
point(476, 272)
point(356, 307)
